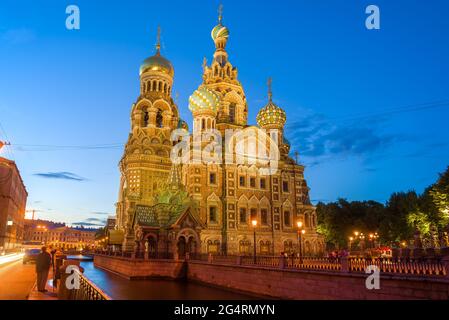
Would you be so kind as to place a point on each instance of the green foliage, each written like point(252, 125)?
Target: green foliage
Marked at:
point(397, 220)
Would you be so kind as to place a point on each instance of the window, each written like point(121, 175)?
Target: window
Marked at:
point(203, 124)
point(159, 119)
point(232, 112)
point(253, 214)
point(252, 182)
point(242, 181)
point(285, 186)
point(264, 216)
point(145, 119)
point(212, 214)
point(212, 178)
point(263, 183)
point(287, 218)
point(242, 212)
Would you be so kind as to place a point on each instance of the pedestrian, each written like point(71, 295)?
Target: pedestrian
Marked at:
point(43, 264)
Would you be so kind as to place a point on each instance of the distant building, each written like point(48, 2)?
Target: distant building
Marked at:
point(59, 235)
point(13, 197)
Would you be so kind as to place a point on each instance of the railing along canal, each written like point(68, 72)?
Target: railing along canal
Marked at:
point(432, 267)
point(87, 291)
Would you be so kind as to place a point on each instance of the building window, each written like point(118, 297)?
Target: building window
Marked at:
point(159, 119)
point(263, 183)
point(242, 181)
point(146, 118)
point(285, 186)
point(252, 182)
point(264, 217)
point(213, 214)
point(212, 178)
point(242, 215)
point(253, 214)
point(287, 218)
point(232, 112)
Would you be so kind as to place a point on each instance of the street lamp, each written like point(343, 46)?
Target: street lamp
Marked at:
point(350, 242)
point(301, 231)
point(254, 223)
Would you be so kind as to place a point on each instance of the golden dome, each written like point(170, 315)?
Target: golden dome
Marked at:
point(204, 99)
point(271, 114)
point(157, 63)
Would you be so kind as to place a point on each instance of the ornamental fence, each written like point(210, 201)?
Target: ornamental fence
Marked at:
point(434, 267)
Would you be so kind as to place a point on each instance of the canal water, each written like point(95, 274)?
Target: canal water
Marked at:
point(119, 288)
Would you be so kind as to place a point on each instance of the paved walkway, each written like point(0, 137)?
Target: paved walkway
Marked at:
point(51, 294)
point(16, 280)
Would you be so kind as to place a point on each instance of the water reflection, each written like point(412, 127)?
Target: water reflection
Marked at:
point(122, 289)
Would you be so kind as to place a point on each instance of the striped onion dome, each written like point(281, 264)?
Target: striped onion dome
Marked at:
point(204, 99)
point(271, 114)
point(219, 31)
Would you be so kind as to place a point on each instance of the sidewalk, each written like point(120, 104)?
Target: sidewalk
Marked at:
point(51, 294)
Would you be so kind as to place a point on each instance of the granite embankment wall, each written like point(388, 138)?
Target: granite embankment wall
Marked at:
point(281, 283)
point(300, 284)
point(141, 269)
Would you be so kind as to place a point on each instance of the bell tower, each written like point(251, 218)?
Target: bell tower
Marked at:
point(146, 163)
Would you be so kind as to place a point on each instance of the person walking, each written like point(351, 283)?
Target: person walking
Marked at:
point(43, 264)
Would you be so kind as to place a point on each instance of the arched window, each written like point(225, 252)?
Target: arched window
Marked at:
point(232, 112)
point(159, 86)
point(159, 119)
point(264, 216)
point(145, 119)
point(203, 124)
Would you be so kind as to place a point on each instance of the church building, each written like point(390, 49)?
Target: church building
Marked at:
point(170, 208)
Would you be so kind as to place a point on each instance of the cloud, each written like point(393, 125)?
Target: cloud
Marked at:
point(319, 139)
point(60, 175)
point(100, 213)
point(103, 221)
point(18, 36)
point(87, 224)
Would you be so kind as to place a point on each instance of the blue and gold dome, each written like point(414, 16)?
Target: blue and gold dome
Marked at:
point(204, 99)
point(157, 63)
point(271, 115)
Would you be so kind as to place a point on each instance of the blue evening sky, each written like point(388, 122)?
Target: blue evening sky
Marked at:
point(367, 110)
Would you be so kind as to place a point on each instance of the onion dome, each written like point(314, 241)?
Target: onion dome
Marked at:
point(271, 115)
point(219, 32)
point(204, 99)
point(157, 63)
point(182, 125)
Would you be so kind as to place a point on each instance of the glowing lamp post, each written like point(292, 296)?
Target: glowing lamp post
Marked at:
point(254, 223)
point(301, 231)
point(350, 242)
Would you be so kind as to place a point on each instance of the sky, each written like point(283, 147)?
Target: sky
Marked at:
point(367, 110)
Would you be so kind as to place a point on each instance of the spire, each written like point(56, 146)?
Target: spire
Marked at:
point(158, 41)
point(220, 13)
point(270, 92)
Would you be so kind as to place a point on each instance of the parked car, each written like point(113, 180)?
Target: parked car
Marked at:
point(30, 255)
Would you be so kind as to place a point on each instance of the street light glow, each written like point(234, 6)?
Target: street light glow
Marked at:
point(299, 223)
point(254, 222)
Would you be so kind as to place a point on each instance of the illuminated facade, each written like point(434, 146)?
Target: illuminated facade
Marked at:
point(13, 197)
point(58, 235)
point(207, 206)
